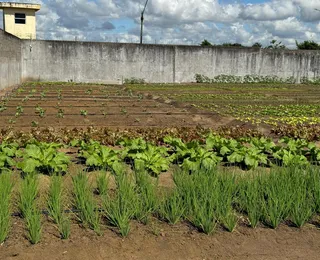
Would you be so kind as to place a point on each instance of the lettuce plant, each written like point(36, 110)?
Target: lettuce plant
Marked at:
point(44, 158)
point(152, 159)
point(99, 156)
point(7, 152)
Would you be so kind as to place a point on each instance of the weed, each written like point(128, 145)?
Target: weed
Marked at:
point(155, 230)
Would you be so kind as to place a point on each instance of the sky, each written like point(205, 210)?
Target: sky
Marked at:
point(180, 21)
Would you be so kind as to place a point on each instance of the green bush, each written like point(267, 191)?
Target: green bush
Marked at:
point(134, 80)
point(308, 45)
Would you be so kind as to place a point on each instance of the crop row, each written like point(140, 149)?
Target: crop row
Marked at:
point(308, 132)
point(269, 114)
point(206, 199)
point(246, 153)
point(253, 79)
point(208, 96)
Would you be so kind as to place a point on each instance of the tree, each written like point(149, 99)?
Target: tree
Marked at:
point(206, 43)
point(308, 45)
point(274, 45)
point(228, 44)
point(257, 45)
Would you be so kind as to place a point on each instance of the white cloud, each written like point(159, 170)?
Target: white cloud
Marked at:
point(286, 28)
point(180, 21)
point(270, 11)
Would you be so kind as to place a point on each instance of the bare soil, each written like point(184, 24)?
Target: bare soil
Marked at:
point(105, 106)
point(157, 239)
point(161, 241)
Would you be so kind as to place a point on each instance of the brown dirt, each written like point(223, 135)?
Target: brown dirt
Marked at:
point(158, 240)
point(116, 108)
point(162, 241)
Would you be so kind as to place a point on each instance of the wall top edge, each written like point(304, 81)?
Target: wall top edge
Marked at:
point(197, 47)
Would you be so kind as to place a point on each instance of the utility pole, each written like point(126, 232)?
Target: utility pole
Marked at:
point(142, 18)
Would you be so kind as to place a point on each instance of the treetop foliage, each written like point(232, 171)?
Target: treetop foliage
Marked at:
point(273, 45)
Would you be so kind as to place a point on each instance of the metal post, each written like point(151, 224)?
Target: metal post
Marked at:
point(141, 30)
point(142, 18)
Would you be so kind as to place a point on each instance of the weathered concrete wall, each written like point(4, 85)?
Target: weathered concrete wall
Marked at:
point(10, 60)
point(96, 62)
point(109, 62)
point(113, 62)
point(245, 61)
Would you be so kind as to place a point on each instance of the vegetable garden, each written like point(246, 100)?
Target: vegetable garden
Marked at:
point(208, 159)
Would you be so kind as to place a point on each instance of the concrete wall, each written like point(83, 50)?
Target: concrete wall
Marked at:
point(10, 60)
point(96, 62)
point(108, 62)
point(22, 60)
point(246, 61)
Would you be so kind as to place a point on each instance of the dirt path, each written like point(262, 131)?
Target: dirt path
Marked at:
point(161, 241)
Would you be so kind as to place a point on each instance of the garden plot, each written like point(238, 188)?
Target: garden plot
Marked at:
point(77, 105)
point(155, 191)
point(256, 104)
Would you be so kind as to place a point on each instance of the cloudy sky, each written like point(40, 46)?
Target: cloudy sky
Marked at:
point(180, 21)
